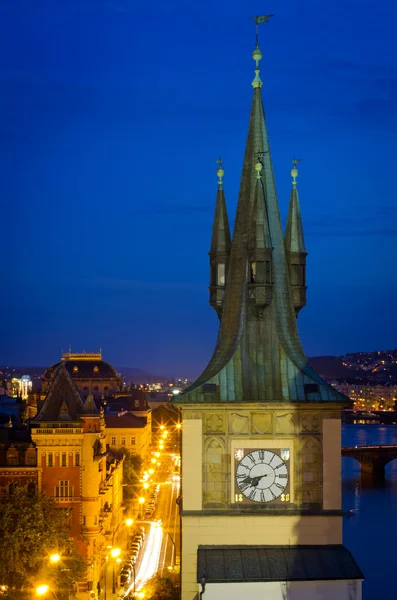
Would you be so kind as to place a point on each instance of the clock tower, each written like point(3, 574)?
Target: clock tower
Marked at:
point(261, 443)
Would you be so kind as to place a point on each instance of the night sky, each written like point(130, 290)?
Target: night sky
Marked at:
point(111, 117)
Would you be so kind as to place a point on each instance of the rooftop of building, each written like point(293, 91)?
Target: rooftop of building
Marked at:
point(84, 365)
point(125, 421)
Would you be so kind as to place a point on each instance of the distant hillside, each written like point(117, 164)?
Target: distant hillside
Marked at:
point(331, 367)
point(140, 375)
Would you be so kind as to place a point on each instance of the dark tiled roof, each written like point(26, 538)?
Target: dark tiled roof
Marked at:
point(127, 420)
point(219, 564)
point(86, 369)
point(63, 402)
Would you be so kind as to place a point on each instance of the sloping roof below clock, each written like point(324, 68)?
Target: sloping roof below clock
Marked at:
point(221, 564)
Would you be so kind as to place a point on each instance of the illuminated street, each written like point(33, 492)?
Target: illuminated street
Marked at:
point(161, 548)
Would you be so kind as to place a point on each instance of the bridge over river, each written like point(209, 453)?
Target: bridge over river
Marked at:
point(372, 459)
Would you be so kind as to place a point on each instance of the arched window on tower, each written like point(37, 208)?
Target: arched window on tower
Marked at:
point(63, 464)
point(50, 459)
point(221, 278)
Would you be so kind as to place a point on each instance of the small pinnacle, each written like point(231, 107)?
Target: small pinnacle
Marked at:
point(220, 172)
point(294, 170)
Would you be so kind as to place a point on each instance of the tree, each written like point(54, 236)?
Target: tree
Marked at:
point(164, 587)
point(31, 529)
point(132, 473)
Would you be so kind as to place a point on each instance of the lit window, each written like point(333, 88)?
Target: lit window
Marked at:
point(221, 275)
point(64, 489)
point(113, 441)
point(123, 441)
point(132, 441)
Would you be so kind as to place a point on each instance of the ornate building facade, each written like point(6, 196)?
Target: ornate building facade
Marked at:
point(78, 471)
point(261, 445)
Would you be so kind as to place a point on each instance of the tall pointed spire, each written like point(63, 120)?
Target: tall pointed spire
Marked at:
point(220, 246)
point(258, 355)
point(295, 245)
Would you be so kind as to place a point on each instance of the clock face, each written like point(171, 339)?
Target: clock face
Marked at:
point(262, 475)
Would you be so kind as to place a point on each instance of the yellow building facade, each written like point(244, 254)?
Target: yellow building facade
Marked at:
point(77, 470)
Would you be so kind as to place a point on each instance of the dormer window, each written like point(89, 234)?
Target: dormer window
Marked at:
point(96, 369)
point(221, 279)
point(75, 369)
point(257, 271)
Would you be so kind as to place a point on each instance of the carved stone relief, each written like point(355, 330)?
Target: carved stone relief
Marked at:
point(214, 491)
point(192, 415)
point(215, 422)
point(285, 423)
point(262, 423)
point(311, 470)
point(238, 423)
point(310, 422)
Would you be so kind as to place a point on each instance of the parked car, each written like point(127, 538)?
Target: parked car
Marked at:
point(124, 577)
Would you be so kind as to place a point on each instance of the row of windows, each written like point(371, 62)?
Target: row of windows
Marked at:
point(123, 441)
point(76, 369)
point(13, 459)
point(63, 459)
point(31, 488)
point(64, 489)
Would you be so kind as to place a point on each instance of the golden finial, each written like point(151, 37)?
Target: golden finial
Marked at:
point(220, 172)
point(294, 170)
point(257, 54)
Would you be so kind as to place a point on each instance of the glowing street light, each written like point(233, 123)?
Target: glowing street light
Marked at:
point(129, 522)
point(145, 485)
point(42, 590)
point(151, 471)
point(141, 500)
point(178, 425)
point(162, 427)
point(54, 558)
point(154, 460)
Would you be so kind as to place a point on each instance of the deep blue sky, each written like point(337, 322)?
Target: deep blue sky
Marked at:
point(111, 116)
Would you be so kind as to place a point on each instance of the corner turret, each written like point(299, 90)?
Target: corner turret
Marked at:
point(220, 248)
point(295, 246)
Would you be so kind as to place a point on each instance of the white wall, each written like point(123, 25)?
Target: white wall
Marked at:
point(295, 590)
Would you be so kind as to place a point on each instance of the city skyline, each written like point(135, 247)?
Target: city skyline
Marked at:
point(117, 221)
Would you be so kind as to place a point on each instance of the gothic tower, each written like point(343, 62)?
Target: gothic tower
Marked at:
point(261, 449)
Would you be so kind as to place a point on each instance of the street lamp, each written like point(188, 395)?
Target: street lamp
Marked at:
point(42, 590)
point(54, 558)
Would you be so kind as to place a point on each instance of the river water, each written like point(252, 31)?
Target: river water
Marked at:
point(371, 534)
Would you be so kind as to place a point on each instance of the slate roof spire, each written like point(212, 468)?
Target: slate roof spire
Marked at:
point(220, 246)
point(258, 356)
point(220, 240)
point(294, 238)
point(295, 245)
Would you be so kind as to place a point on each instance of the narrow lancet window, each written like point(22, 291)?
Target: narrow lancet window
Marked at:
point(221, 275)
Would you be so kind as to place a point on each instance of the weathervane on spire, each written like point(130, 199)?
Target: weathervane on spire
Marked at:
point(220, 172)
point(257, 54)
point(258, 20)
point(294, 170)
